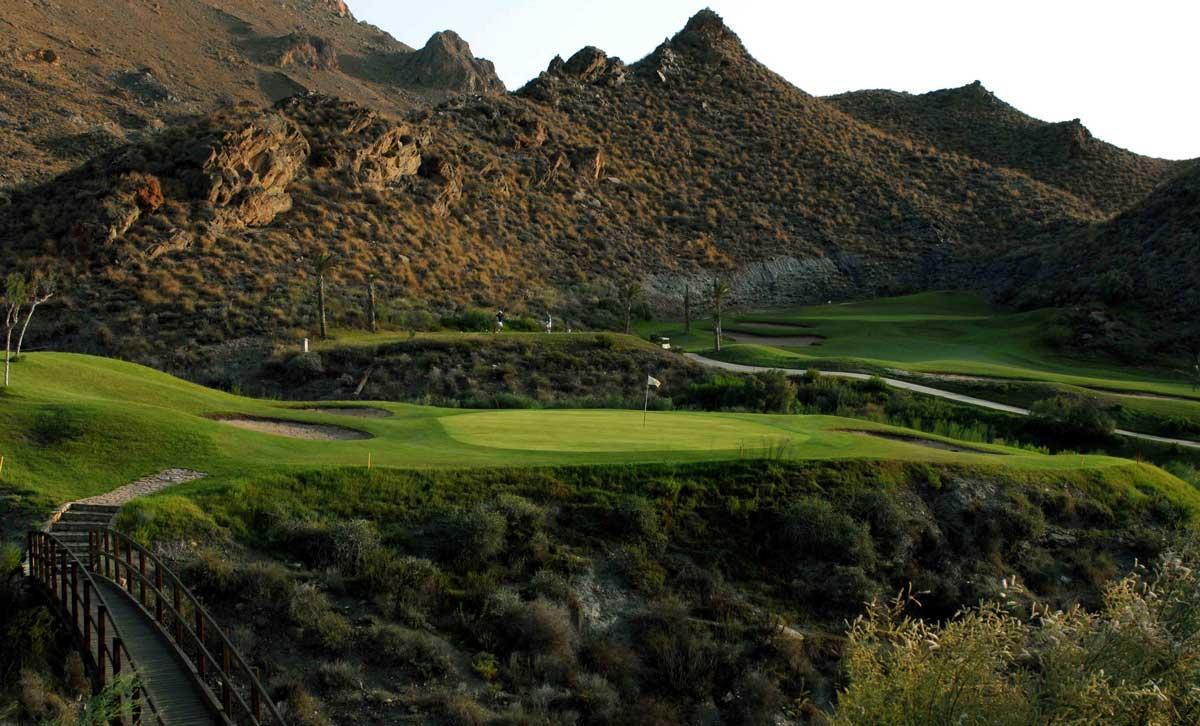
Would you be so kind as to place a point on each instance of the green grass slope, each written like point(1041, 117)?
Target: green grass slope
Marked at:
point(74, 425)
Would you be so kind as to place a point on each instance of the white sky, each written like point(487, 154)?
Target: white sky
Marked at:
point(1129, 70)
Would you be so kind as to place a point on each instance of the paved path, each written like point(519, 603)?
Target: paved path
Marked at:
point(926, 390)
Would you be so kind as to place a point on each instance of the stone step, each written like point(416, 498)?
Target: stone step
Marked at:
point(81, 507)
point(79, 516)
point(64, 526)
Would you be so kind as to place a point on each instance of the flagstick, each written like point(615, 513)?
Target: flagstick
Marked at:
point(646, 405)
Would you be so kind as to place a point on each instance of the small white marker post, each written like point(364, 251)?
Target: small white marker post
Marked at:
point(306, 345)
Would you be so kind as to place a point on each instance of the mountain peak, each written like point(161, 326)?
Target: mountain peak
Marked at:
point(446, 61)
point(707, 33)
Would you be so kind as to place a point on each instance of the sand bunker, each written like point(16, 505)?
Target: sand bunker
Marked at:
point(931, 443)
point(774, 326)
point(778, 341)
point(294, 429)
point(355, 411)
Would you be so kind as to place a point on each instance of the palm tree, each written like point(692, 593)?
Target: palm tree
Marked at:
point(629, 294)
point(718, 294)
point(323, 265)
point(16, 291)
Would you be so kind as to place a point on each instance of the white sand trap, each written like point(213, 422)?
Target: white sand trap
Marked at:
point(355, 411)
point(294, 429)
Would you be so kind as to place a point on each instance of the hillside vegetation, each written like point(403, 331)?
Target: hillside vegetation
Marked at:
point(695, 161)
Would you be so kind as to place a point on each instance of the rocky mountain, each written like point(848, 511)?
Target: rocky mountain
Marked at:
point(692, 162)
point(971, 120)
point(78, 77)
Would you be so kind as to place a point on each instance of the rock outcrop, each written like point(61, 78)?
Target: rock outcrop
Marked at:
point(361, 146)
point(446, 63)
point(308, 51)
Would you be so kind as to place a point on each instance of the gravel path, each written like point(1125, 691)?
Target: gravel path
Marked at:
point(926, 390)
point(147, 485)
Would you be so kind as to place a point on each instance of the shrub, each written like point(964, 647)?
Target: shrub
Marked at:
point(542, 627)
point(407, 585)
point(353, 542)
point(682, 657)
point(1133, 661)
point(339, 675)
point(1073, 419)
point(756, 700)
point(267, 585)
point(636, 517)
point(468, 537)
point(304, 367)
point(812, 529)
point(311, 610)
point(417, 651)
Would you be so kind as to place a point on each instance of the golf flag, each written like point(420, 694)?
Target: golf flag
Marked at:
point(652, 381)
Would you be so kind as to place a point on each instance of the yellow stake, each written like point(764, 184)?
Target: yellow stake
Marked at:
point(368, 460)
point(1, 464)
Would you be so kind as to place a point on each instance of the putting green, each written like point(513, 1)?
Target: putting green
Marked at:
point(609, 430)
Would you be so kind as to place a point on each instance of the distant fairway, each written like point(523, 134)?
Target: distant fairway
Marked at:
point(938, 332)
point(75, 425)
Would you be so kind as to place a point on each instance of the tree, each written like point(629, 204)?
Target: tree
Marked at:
point(371, 324)
point(717, 297)
point(687, 308)
point(629, 294)
point(40, 290)
point(16, 291)
point(323, 265)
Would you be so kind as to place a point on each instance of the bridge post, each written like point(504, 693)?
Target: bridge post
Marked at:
point(142, 577)
point(202, 662)
point(128, 565)
point(75, 594)
point(104, 554)
point(226, 689)
point(63, 580)
point(178, 618)
point(101, 616)
point(50, 569)
point(158, 593)
point(87, 612)
point(116, 658)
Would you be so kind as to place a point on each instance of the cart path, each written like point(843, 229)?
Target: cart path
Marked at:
point(925, 390)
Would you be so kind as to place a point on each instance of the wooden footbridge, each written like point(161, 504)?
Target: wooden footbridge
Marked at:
point(130, 615)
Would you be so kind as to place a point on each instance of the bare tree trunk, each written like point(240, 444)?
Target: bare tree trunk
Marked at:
point(628, 311)
point(717, 330)
point(21, 338)
point(371, 306)
point(7, 352)
point(321, 305)
point(687, 309)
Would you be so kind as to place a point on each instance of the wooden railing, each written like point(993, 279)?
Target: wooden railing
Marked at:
point(73, 591)
point(189, 627)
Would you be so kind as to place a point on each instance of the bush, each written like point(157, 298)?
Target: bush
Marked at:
point(756, 700)
point(468, 537)
point(1073, 419)
point(541, 627)
point(418, 652)
point(811, 529)
point(311, 610)
point(304, 367)
point(408, 586)
point(267, 585)
point(353, 542)
point(637, 517)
